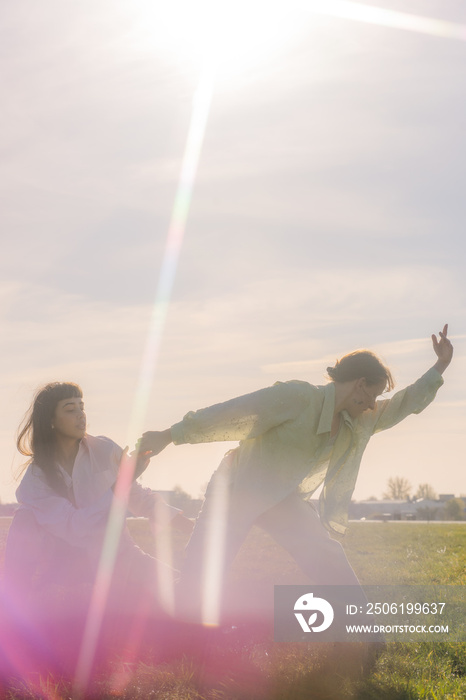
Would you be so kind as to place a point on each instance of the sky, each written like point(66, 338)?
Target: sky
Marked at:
point(321, 210)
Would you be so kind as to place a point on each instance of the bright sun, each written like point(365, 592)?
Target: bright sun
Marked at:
point(233, 35)
point(230, 35)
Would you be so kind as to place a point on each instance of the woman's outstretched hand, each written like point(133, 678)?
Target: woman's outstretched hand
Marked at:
point(141, 461)
point(154, 441)
point(132, 465)
point(443, 349)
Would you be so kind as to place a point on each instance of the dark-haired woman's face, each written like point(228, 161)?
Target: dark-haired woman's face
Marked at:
point(69, 420)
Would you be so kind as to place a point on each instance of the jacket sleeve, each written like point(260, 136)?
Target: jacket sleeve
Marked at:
point(413, 399)
point(244, 417)
point(57, 515)
point(145, 502)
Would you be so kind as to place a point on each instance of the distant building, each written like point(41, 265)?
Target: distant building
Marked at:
point(179, 499)
point(409, 509)
point(382, 510)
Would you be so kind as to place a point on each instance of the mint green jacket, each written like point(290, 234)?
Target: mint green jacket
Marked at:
point(285, 431)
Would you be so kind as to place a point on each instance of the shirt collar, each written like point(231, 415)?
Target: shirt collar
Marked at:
point(69, 479)
point(326, 417)
point(347, 418)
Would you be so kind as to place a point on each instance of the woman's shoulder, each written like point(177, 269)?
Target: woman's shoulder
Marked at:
point(302, 389)
point(102, 447)
point(298, 386)
point(100, 441)
point(33, 481)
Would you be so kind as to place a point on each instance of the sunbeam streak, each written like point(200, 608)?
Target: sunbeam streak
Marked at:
point(201, 107)
point(360, 12)
point(116, 520)
point(346, 9)
point(212, 578)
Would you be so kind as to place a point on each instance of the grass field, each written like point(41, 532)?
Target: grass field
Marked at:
point(245, 663)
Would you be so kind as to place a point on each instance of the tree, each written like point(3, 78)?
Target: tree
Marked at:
point(398, 488)
point(179, 497)
point(426, 492)
point(454, 509)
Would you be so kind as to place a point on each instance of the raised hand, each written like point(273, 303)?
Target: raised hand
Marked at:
point(443, 349)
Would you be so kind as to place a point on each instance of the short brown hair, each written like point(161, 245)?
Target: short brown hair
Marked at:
point(361, 363)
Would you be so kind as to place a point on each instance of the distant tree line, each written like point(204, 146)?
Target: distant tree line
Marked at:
point(400, 489)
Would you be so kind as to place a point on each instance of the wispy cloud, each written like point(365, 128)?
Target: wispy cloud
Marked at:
point(328, 212)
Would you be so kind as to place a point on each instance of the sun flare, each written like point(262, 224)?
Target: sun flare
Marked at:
point(234, 36)
point(230, 37)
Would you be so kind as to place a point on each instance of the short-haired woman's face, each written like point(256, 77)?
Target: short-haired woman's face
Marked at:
point(364, 397)
point(69, 419)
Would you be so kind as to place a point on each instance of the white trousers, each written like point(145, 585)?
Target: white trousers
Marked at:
point(293, 523)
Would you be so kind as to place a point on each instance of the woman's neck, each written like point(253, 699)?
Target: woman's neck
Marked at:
point(343, 393)
point(66, 451)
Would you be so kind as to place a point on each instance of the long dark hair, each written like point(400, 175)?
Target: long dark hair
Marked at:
point(36, 438)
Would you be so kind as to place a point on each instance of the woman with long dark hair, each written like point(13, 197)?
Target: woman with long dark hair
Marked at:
point(65, 497)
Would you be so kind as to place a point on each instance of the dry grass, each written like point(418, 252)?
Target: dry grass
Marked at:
point(225, 664)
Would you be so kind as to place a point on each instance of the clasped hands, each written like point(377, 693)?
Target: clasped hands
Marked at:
point(153, 442)
point(149, 445)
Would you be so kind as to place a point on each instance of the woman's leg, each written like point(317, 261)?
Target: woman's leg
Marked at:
point(295, 524)
point(221, 527)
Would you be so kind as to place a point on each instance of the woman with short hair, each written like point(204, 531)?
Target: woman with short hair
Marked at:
point(293, 437)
